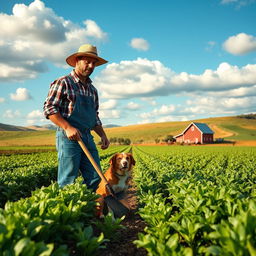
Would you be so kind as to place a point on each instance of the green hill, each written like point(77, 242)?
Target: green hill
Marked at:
point(230, 128)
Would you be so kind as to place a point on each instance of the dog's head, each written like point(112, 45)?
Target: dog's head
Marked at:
point(122, 162)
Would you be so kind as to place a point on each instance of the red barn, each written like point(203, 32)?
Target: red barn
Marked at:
point(196, 133)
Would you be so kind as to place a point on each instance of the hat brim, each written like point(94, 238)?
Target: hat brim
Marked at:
point(71, 60)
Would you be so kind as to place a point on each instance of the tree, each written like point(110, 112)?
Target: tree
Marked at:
point(120, 141)
point(168, 139)
point(127, 141)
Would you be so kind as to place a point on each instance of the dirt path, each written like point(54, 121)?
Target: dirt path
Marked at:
point(133, 224)
point(220, 133)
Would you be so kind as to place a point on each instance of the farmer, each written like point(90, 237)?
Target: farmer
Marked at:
point(72, 104)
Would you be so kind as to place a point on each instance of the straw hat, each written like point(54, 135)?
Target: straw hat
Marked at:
point(85, 50)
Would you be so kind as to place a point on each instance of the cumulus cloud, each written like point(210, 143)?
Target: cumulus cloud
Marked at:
point(35, 117)
point(110, 104)
point(238, 3)
point(108, 114)
point(35, 35)
point(133, 106)
point(145, 78)
point(158, 115)
point(21, 94)
point(210, 45)
point(240, 44)
point(35, 114)
point(201, 106)
point(162, 111)
point(139, 44)
point(149, 100)
point(11, 114)
point(236, 93)
point(212, 105)
point(228, 1)
point(128, 79)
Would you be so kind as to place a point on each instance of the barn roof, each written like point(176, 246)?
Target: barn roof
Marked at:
point(204, 128)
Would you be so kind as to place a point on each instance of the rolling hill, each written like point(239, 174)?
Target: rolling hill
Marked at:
point(230, 128)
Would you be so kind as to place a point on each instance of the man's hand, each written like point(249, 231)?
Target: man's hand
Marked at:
point(104, 139)
point(73, 133)
point(104, 142)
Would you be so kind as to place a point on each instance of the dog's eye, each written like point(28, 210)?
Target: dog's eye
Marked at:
point(127, 158)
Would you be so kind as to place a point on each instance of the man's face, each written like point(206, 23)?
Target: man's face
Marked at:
point(85, 66)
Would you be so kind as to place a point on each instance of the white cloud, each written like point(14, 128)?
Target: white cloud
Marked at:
point(150, 118)
point(35, 114)
point(133, 106)
point(2, 100)
point(161, 111)
point(228, 1)
point(210, 45)
point(200, 106)
point(210, 105)
point(35, 117)
point(104, 114)
point(11, 114)
point(240, 44)
point(93, 30)
point(128, 79)
point(28, 70)
point(110, 104)
point(20, 95)
point(35, 35)
point(165, 119)
point(239, 92)
point(150, 101)
point(145, 121)
point(238, 3)
point(145, 78)
point(139, 44)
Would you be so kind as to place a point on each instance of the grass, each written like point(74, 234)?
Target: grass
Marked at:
point(27, 138)
point(241, 133)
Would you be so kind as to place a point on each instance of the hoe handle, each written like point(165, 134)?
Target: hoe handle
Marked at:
point(95, 165)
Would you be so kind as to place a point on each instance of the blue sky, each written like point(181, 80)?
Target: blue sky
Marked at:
point(168, 60)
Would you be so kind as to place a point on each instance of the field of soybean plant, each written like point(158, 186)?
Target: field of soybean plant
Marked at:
point(39, 218)
point(195, 200)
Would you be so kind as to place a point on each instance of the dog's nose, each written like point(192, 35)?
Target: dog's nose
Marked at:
point(125, 164)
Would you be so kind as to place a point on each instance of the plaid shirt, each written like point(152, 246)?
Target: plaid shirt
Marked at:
point(61, 97)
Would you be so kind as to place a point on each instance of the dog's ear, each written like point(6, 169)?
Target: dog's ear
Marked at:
point(132, 159)
point(113, 160)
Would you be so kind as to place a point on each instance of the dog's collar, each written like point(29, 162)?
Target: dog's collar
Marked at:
point(120, 175)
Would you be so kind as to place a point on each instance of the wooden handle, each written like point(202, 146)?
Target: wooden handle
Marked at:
point(95, 165)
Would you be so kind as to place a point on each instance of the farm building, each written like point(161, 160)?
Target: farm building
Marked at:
point(196, 133)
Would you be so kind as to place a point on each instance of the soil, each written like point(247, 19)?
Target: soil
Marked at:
point(123, 246)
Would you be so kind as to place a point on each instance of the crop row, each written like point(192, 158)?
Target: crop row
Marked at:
point(52, 221)
point(197, 201)
point(21, 174)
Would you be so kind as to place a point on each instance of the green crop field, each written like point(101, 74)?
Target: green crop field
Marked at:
point(194, 201)
point(197, 200)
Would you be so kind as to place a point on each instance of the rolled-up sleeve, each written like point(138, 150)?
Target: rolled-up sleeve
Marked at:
point(54, 98)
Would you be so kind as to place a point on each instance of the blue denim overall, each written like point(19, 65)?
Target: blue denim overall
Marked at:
point(70, 155)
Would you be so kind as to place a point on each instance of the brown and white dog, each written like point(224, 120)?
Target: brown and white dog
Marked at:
point(117, 176)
